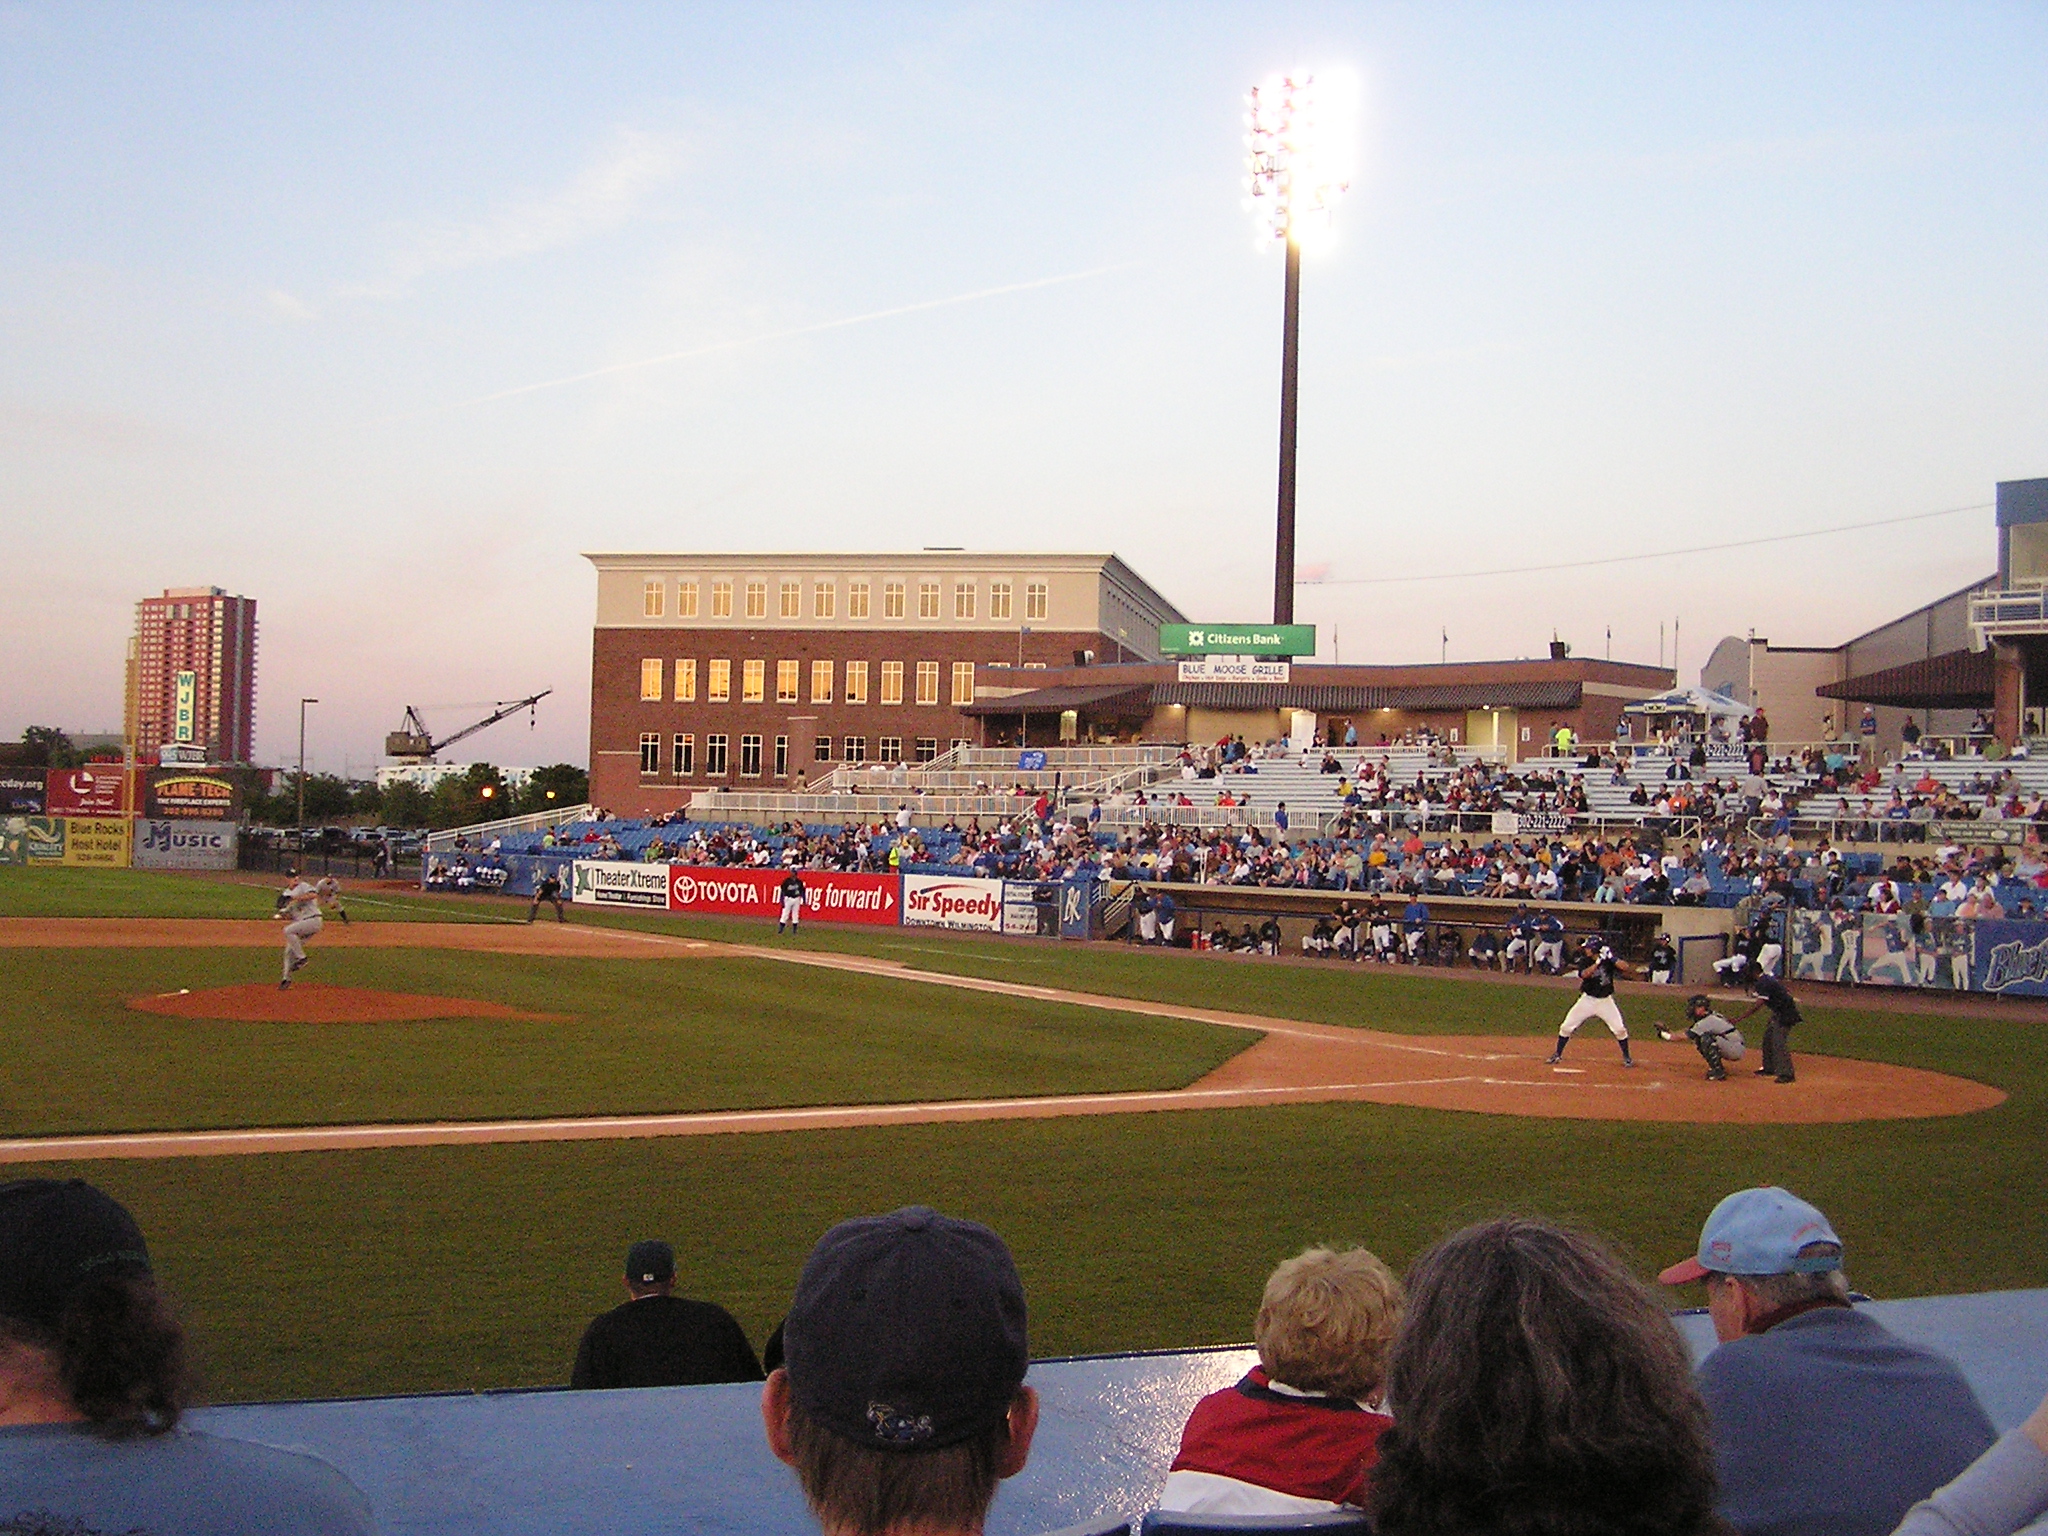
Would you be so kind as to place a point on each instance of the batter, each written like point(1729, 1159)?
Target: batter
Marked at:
point(1596, 1000)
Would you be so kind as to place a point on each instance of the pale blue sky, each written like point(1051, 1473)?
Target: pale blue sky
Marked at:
point(1611, 278)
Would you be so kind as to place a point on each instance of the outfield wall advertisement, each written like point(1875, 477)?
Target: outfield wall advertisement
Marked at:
point(604, 883)
point(941, 901)
point(829, 895)
point(23, 791)
point(181, 844)
point(91, 791)
point(95, 842)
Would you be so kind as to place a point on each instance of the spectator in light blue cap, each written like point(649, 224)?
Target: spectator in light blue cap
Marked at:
point(1823, 1420)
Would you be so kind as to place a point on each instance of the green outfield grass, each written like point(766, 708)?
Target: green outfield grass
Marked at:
point(638, 1036)
point(62, 892)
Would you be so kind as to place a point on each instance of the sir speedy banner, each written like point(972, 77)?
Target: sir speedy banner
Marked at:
point(829, 895)
point(942, 901)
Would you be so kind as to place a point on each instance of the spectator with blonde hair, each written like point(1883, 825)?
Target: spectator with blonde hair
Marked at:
point(1300, 1433)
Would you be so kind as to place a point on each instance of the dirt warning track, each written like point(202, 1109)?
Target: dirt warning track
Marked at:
point(1293, 1063)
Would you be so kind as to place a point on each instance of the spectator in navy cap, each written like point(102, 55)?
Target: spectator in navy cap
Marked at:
point(92, 1386)
point(901, 1403)
point(1823, 1419)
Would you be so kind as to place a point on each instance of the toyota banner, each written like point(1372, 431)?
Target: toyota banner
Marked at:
point(830, 896)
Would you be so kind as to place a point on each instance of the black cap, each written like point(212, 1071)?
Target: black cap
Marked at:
point(908, 1331)
point(650, 1261)
point(55, 1235)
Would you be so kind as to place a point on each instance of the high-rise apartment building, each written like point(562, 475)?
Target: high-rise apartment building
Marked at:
point(192, 674)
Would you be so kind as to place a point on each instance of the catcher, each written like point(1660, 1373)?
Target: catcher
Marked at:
point(1716, 1039)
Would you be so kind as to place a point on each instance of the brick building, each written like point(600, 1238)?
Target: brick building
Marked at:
point(759, 670)
point(192, 674)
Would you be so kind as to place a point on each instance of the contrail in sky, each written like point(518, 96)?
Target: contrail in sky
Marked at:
point(784, 335)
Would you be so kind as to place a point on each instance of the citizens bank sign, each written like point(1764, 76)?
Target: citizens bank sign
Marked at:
point(1284, 640)
point(605, 884)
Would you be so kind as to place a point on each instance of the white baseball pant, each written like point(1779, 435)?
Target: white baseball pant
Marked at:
point(1602, 1008)
point(295, 936)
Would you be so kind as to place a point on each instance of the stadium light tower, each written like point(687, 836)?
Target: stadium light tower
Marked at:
point(1296, 143)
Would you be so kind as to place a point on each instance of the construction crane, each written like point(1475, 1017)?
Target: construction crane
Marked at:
point(415, 743)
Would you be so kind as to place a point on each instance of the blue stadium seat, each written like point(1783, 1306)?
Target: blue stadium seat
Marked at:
point(1109, 1526)
point(1161, 1522)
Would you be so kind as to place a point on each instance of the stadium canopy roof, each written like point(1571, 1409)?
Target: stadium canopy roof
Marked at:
point(1689, 701)
point(1130, 699)
point(1336, 698)
point(1952, 680)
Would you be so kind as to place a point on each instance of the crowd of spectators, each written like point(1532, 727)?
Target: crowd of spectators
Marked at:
point(1520, 1380)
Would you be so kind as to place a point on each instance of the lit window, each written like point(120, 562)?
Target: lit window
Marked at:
point(686, 680)
point(889, 749)
point(650, 751)
point(927, 682)
point(718, 689)
point(892, 682)
point(892, 599)
point(686, 600)
point(999, 600)
point(714, 757)
point(856, 600)
point(821, 750)
point(963, 600)
point(963, 682)
point(787, 674)
point(856, 749)
point(721, 599)
point(856, 682)
point(650, 600)
point(753, 682)
point(821, 682)
point(927, 599)
point(823, 595)
point(757, 599)
point(1034, 600)
point(792, 599)
point(782, 757)
point(650, 678)
point(927, 748)
point(750, 757)
point(686, 755)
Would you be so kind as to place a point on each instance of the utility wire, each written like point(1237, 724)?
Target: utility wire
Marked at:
point(1661, 554)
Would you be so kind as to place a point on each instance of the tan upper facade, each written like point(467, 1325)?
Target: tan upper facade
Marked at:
point(950, 590)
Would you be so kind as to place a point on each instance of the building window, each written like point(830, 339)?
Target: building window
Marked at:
point(927, 748)
point(686, 755)
point(721, 599)
point(650, 600)
point(927, 682)
point(650, 678)
point(714, 757)
point(823, 595)
point(792, 599)
point(959, 742)
point(686, 679)
point(718, 686)
point(686, 600)
point(892, 682)
point(889, 749)
point(757, 599)
point(963, 600)
point(821, 750)
point(856, 682)
point(927, 599)
point(999, 600)
point(963, 682)
point(856, 749)
point(753, 682)
point(821, 682)
point(1034, 600)
point(856, 599)
point(782, 757)
point(786, 675)
point(650, 752)
point(892, 599)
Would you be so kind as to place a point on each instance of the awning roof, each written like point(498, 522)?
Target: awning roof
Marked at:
point(1130, 699)
point(1326, 699)
point(1953, 680)
point(1688, 701)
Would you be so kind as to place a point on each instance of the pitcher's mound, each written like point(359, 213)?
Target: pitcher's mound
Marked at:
point(312, 1002)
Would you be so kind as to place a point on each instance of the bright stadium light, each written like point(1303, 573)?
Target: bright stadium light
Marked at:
point(1298, 138)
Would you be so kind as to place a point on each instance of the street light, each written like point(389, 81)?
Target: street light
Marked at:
point(302, 778)
point(1295, 146)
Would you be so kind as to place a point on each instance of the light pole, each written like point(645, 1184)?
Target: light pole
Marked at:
point(1293, 188)
point(302, 778)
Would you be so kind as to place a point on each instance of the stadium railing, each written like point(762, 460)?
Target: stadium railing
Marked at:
point(483, 831)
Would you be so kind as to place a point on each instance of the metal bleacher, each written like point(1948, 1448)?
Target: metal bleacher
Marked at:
point(558, 1463)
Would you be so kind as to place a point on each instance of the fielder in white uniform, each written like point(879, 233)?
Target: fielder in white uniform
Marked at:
point(301, 922)
point(329, 892)
point(1596, 1000)
point(792, 903)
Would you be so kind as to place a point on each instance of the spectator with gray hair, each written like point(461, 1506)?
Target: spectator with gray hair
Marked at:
point(1823, 1419)
point(1299, 1434)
